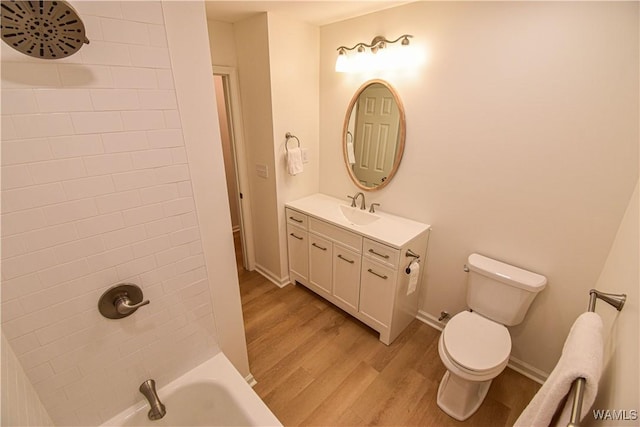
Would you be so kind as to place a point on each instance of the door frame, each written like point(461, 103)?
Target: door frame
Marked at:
point(238, 147)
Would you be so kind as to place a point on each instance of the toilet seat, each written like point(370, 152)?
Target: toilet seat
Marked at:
point(476, 344)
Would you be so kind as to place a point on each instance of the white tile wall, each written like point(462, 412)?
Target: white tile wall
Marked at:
point(20, 403)
point(96, 191)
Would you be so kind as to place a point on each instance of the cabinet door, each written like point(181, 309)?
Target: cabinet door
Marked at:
point(320, 254)
point(377, 291)
point(298, 252)
point(346, 276)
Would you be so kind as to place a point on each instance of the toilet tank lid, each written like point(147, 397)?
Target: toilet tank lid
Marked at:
point(506, 273)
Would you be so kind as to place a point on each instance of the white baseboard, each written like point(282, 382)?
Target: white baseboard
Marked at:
point(430, 320)
point(528, 370)
point(517, 365)
point(250, 380)
point(279, 282)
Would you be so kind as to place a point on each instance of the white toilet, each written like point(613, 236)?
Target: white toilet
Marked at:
point(475, 345)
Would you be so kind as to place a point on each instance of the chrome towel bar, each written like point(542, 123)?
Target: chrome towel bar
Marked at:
point(617, 301)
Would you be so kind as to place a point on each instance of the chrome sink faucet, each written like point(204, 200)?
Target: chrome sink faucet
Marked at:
point(354, 198)
point(158, 410)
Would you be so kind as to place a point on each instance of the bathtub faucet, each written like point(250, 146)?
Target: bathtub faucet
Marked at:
point(157, 411)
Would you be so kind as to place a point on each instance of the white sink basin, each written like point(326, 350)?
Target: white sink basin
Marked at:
point(358, 216)
point(382, 226)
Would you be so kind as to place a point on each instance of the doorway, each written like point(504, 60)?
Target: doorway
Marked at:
point(229, 118)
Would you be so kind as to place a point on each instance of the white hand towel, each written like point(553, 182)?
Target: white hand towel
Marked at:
point(581, 357)
point(414, 268)
point(294, 161)
point(351, 156)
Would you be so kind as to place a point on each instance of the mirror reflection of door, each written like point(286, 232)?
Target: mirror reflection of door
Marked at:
point(376, 135)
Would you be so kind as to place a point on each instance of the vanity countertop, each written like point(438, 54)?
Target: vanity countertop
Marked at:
point(387, 228)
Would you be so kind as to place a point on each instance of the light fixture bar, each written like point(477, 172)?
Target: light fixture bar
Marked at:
point(378, 42)
point(368, 56)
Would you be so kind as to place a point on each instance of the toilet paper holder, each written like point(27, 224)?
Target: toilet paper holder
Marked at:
point(414, 256)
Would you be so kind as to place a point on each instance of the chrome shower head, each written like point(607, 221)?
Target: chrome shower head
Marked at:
point(42, 29)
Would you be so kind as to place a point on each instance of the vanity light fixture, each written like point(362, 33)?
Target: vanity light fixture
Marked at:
point(376, 55)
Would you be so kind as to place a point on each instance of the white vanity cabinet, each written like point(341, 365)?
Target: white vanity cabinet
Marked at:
point(320, 257)
point(346, 276)
point(298, 246)
point(377, 287)
point(334, 263)
point(353, 266)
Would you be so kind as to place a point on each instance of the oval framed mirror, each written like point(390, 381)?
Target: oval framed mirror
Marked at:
point(373, 136)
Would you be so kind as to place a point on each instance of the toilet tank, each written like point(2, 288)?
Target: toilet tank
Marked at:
point(500, 291)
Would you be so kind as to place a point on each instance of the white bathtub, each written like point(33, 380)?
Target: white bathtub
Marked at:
point(212, 394)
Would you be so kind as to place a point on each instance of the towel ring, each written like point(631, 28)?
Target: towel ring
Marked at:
point(349, 135)
point(289, 136)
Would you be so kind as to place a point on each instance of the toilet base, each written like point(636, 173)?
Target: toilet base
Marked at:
point(460, 398)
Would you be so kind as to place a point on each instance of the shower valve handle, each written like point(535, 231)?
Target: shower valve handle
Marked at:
point(123, 304)
point(121, 301)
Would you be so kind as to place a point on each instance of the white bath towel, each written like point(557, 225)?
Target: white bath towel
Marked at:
point(351, 156)
point(294, 161)
point(581, 357)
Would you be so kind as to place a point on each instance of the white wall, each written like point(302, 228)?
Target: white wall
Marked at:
point(222, 43)
point(277, 61)
point(98, 190)
point(252, 50)
point(294, 61)
point(20, 403)
point(189, 46)
point(619, 384)
point(522, 144)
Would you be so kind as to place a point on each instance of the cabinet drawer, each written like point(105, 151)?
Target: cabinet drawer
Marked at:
point(296, 218)
point(382, 253)
point(337, 234)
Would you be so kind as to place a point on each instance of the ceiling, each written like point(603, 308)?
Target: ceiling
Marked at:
point(313, 12)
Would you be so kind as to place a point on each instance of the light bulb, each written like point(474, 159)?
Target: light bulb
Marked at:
point(342, 63)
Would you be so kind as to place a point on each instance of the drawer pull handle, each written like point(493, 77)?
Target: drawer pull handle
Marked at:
point(319, 247)
point(350, 261)
point(296, 219)
point(377, 274)
point(380, 255)
point(297, 237)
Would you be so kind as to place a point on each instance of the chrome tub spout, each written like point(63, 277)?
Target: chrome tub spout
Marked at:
point(148, 389)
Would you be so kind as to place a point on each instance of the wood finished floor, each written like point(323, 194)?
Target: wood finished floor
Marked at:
point(315, 365)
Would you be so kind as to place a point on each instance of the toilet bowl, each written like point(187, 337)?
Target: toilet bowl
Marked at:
point(475, 345)
point(474, 350)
